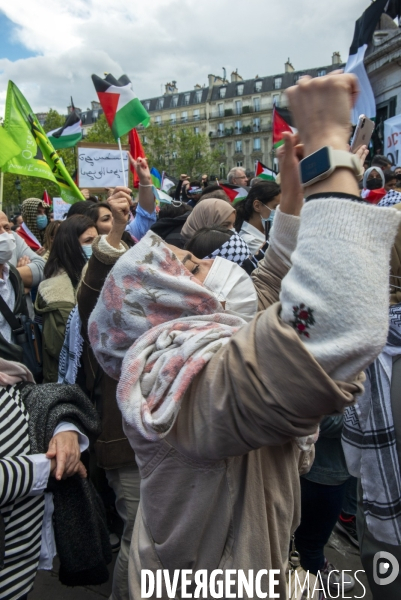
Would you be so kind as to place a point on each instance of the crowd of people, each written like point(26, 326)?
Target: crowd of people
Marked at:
point(216, 383)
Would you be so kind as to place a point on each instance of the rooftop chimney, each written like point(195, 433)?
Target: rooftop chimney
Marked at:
point(95, 105)
point(336, 59)
point(215, 80)
point(171, 88)
point(198, 87)
point(235, 76)
point(288, 67)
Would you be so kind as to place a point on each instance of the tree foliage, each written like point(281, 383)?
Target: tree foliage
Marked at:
point(180, 150)
point(101, 132)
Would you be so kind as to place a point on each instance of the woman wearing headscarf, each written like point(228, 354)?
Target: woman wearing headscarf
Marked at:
point(34, 212)
point(211, 212)
point(217, 425)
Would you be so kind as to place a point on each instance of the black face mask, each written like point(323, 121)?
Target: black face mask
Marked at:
point(374, 184)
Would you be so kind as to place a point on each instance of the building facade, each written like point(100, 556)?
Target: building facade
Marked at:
point(236, 115)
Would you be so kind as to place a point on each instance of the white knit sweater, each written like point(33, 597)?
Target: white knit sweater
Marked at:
point(337, 292)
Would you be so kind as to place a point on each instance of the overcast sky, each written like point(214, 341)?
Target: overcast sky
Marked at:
point(50, 48)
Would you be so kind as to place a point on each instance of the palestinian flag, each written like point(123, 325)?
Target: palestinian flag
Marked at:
point(136, 151)
point(373, 196)
point(69, 134)
point(168, 182)
point(234, 192)
point(263, 172)
point(156, 178)
point(161, 197)
point(363, 33)
point(282, 121)
point(46, 198)
point(122, 109)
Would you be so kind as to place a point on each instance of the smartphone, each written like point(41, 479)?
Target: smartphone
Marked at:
point(363, 133)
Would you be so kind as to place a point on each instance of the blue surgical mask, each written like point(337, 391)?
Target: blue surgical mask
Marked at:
point(41, 222)
point(87, 250)
point(270, 217)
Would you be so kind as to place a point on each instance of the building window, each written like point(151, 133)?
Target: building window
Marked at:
point(222, 170)
point(297, 76)
point(174, 101)
point(238, 107)
point(220, 129)
point(240, 89)
point(256, 124)
point(197, 114)
point(184, 116)
point(238, 126)
point(144, 139)
point(238, 146)
point(95, 114)
point(196, 130)
point(256, 104)
point(321, 72)
point(239, 163)
point(276, 99)
point(258, 86)
point(220, 108)
point(186, 99)
point(256, 143)
point(174, 154)
point(147, 104)
point(173, 118)
point(198, 96)
point(222, 92)
point(160, 103)
point(158, 120)
point(277, 83)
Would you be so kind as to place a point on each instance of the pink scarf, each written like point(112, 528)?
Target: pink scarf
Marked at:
point(13, 372)
point(154, 328)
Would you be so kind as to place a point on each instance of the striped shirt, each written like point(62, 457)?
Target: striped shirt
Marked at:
point(22, 514)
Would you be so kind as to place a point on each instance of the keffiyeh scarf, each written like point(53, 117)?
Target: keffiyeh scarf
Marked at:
point(369, 442)
point(234, 250)
point(71, 351)
point(392, 197)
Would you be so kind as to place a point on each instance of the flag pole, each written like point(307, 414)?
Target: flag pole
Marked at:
point(122, 162)
point(1, 189)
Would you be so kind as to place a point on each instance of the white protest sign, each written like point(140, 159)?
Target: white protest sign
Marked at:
point(60, 208)
point(101, 167)
point(392, 139)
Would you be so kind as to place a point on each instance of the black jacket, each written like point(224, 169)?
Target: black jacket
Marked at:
point(170, 230)
point(8, 350)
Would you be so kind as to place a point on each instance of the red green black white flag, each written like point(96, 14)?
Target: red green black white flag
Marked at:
point(282, 122)
point(263, 172)
point(122, 109)
point(234, 192)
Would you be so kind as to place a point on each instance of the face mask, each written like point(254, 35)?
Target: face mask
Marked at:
point(87, 250)
point(7, 246)
point(374, 184)
point(41, 222)
point(270, 217)
point(231, 284)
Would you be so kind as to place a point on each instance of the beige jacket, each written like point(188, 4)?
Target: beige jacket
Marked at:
point(221, 491)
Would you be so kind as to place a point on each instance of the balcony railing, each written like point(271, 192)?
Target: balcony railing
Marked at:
point(233, 131)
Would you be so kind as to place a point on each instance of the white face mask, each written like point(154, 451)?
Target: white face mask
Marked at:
point(232, 285)
point(7, 246)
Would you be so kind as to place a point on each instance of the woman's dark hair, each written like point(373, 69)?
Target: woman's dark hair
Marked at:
point(207, 240)
point(66, 252)
point(389, 175)
point(79, 208)
point(94, 210)
point(264, 192)
point(169, 211)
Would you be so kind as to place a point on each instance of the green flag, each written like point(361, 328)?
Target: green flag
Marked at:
point(37, 157)
point(8, 148)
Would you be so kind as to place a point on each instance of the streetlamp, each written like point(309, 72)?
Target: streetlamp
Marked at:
point(18, 188)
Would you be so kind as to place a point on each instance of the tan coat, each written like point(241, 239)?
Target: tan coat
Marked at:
point(221, 491)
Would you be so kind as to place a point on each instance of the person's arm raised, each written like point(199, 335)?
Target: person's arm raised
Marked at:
point(146, 198)
point(119, 202)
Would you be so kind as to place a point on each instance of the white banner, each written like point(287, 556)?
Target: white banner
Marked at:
point(392, 139)
point(100, 167)
point(60, 208)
